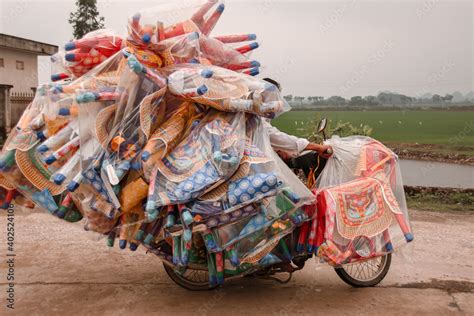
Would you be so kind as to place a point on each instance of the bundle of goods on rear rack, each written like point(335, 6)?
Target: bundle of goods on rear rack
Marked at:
point(156, 138)
point(361, 203)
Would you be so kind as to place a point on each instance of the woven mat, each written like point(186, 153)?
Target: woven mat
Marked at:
point(33, 170)
point(104, 117)
point(5, 184)
point(152, 112)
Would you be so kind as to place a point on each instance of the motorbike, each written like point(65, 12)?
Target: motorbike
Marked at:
point(195, 276)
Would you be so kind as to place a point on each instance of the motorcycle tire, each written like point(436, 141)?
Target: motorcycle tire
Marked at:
point(188, 279)
point(365, 273)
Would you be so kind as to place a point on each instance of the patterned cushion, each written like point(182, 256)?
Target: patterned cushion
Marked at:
point(94, 179)
point(196, 184)
point(252, 187)
point(255, 224)
point(46, 200)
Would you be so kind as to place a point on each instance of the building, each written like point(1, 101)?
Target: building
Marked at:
point(19, 61)
point(18, 76)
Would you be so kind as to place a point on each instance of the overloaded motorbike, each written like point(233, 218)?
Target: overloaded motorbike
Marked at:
point(365, 273)
point(157, 139)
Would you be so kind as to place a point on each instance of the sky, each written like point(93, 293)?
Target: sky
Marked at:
point(313, 48)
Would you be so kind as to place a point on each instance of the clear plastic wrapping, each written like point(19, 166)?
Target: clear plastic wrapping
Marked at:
point(80, 56)
point(362, 209)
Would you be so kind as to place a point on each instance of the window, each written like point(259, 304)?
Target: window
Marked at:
point(1, 63)
point(20, 65)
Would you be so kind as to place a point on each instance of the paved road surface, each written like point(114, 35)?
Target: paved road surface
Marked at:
point(61, 269)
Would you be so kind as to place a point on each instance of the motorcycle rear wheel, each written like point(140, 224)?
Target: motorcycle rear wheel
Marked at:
point(365, 273)
point(191, 279)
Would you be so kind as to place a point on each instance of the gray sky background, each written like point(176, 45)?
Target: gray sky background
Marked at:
point(312, 47)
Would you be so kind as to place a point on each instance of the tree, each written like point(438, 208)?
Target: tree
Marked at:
point(405, 100)
point(457, 96)
point(86, 18)
point(288, 97)
point(371, 100)
point(357, 100)
point(336, 100)
point(315, 99)
point(299, 99)
point(436, 98)
point(382, 97)
point(394, 98)
point(448, 97)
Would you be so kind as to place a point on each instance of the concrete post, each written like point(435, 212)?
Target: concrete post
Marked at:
point(5, 110)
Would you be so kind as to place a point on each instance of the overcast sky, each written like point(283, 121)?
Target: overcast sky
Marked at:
point(313, 47)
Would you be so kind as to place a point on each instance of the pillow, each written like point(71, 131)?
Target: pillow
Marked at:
point(253, 187)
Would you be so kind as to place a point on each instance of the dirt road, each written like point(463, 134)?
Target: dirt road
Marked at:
point(60, 268)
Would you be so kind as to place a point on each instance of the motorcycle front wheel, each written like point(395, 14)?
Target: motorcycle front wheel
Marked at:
point(191, 279)
point(365, 273)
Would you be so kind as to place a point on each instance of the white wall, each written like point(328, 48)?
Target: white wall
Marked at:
point(22, 80)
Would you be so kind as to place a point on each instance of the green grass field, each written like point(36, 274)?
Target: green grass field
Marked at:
point(450, 129)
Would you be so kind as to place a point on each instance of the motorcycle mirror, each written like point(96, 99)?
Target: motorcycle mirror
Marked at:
point(322, 125)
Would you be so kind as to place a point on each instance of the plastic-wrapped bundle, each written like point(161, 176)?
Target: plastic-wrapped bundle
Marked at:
point(175, 33)
point(245, 217)
point(225, 90)
point(362, 211)
point(209, 155)
point(80, 56)
point(42, 156)
point(157, 138)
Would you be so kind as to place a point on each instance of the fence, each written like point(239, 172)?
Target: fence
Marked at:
point(19, 102)
point(12, 106)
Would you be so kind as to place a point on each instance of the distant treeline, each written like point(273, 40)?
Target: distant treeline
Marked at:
point(383, 99)
point(384, 108)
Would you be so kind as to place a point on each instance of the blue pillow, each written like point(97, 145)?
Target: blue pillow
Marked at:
point(252, 187)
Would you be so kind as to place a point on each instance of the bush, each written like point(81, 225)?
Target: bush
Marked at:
point(339, 128)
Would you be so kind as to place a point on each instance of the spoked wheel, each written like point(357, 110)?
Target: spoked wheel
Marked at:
point(191, 279)
point(366, 273)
